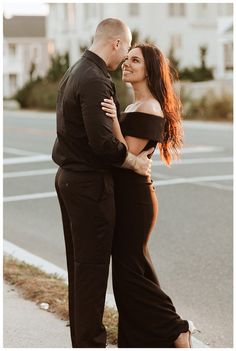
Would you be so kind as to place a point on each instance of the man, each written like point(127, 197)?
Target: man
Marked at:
point(85, 150)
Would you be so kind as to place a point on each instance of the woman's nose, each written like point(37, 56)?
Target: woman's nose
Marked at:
point(125, 64)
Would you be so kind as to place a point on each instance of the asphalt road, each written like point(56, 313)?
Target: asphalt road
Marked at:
point(191, 246)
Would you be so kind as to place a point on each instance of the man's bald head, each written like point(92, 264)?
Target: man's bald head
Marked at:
point(112, 41)
point(110, 28)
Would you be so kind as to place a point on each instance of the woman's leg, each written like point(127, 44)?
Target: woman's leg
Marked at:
point(147, 316)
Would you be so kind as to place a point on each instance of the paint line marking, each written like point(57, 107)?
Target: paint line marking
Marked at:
point(155, 163)
point(29, 197)
point(11, 150)
point(201, 148)
point(27, 159)
point(34, 157)
point(216, 186)
point(192, 161)
point(192, 180)
point(222, 126)
point(29, 173)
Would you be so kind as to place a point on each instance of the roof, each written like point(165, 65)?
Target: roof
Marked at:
point(24, 26)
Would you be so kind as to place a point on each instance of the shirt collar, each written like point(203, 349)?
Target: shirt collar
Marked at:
point(98, 61)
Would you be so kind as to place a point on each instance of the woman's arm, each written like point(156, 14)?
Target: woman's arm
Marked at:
point(134, 145)
point(109, 107)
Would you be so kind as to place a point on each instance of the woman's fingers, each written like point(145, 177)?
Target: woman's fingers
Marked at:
point(108, 104)
point(109, 107)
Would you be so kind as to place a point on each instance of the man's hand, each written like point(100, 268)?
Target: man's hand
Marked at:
point(140, 164)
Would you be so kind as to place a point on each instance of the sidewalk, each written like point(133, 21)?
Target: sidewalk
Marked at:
point(25, 325)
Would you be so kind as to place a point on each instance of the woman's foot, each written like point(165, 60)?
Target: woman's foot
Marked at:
point(184, 339)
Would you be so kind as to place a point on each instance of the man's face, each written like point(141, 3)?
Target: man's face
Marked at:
point(121, 50)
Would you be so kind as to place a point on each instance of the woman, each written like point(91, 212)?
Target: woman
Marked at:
point(147, 317)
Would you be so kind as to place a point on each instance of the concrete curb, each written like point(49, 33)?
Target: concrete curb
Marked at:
point(48, 267)
point(44, 265)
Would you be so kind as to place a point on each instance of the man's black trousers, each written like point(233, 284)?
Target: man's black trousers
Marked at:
point(88, 214)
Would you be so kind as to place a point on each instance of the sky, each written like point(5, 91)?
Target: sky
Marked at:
point(25, 8)
point(40, 7)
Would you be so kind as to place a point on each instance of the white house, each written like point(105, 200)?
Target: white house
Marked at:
point(25, 50)
point(183, 26)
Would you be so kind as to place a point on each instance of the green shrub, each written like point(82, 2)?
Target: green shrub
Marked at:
point(58, 67)
point(39, 94)
point(208, 107)
point(196, 74)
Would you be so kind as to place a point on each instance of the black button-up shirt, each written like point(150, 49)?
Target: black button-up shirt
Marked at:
point(85, 141)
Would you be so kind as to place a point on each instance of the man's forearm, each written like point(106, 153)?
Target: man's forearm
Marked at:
point(130, 161)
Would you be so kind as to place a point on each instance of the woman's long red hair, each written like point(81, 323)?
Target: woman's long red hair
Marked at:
point(160, 83)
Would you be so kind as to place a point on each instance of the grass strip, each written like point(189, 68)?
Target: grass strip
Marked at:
point(38, 286)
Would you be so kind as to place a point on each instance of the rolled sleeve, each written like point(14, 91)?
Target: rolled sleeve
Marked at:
point(98, 126)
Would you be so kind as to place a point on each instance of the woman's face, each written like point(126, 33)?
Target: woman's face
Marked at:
point(133, 68)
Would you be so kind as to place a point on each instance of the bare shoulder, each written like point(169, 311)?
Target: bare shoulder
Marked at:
point(129, 108)
point(152, 107)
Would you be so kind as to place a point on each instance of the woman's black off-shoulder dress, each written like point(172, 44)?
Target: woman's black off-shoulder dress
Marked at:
point(147, 316)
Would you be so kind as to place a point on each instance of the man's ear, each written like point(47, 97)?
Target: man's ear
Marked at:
point(117, 43)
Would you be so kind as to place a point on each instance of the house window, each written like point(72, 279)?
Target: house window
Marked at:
point(71, 14)
point(35, 53)
point(134, 9)
point(225, 9)
point(202, 9)
point(90, 10)
point(228, 56)
point(12, 50)
point(176, 41)
point(177, 10)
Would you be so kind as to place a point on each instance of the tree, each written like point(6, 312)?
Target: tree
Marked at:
point(135, 37)
point(32, 70)
point(172, 59)
point(203, 52)
point(59, 65)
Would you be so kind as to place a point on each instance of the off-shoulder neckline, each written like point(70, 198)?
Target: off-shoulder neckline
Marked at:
point(144, 113)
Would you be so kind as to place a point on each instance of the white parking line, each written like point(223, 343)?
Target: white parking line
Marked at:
point(29, 173)
point(37, 157)
point(191, 161)
point(201, 148)
point(192, 180)
point(11, 150)
point(154, 163)
point(29, 197)
point(216, 186)
point(206, 125)
point(27, 159)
